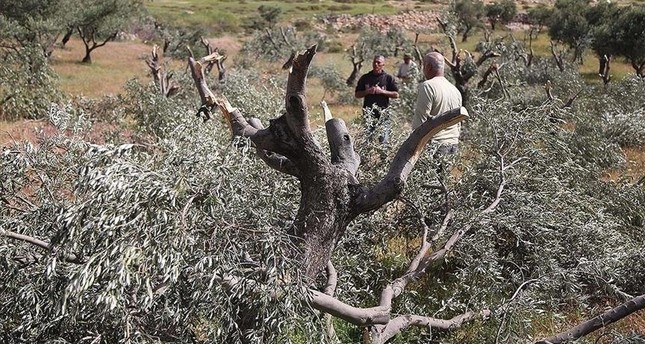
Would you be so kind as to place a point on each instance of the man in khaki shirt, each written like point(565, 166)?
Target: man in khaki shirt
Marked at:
point(435, 96)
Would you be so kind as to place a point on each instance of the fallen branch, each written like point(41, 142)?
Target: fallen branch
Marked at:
point(600, 321)
point(69, 258)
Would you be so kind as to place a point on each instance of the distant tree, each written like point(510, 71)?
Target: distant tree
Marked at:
point(569, 25)
point(502, 12)
point(31, 23)
point(601, 19)
point(99, 21)
point(267, 17)
point(280, 42)
point(629, 33)
point(469, 14)
point(539, 17)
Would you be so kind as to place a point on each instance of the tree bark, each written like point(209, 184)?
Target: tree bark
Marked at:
point(331, 195)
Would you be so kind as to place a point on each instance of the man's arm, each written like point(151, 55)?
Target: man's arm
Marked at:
point(362, 94)
point(391, 89)
point(361, 88)
point(384, 92)
point(422, 107)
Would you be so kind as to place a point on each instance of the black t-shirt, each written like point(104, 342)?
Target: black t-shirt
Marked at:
point(384, 80)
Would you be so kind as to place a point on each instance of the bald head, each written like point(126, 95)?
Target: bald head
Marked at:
point(433, 65)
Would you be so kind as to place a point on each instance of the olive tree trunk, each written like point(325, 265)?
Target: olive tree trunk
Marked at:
point(331, 194)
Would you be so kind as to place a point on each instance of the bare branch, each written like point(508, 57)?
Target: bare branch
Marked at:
point(403, 322)
point(295, 100)
point(600, 321)
point(69, 258)
point(405, 159)
point(351, 314)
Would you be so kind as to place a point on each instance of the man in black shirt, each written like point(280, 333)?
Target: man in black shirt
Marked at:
point(376, 88)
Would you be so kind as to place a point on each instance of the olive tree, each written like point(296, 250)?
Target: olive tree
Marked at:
point(500, 12)
point(469, 14)
point(331, 195)
point(98, 22)
point(26, 24)
point(568, 24)
point(182, 235)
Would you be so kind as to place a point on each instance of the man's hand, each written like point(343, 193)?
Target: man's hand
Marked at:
point(374, 90)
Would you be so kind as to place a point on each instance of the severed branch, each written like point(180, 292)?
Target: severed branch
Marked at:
point(295, 99)
point(493, 67)
point(286, 136)
point(219, 60)
point(160, 76)
point(274, 160)
point(417, 52)
point(572, 99)
point(557, 56)
point(600, 321)
point(548, 87)
point(501, 83)
point(340, 142)
point(357, 63)
point(262, 138)
point(392, 184)
point(487, 55)
point(69, 258)
point(605, 64)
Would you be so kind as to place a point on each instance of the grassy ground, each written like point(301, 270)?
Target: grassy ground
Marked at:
point(231, 16)
point(112, 66)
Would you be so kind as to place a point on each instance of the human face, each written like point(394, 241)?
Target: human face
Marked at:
point(377, 65)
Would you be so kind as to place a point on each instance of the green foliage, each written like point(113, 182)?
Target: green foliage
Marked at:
point(333, 84)
point(469, 14)
point(372, 42)
point(629, 33)
point(500, 12)
point(26, 24)
point(28, 86)
point(278, 43)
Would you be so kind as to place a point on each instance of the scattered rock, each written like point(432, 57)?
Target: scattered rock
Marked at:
point(415, 21)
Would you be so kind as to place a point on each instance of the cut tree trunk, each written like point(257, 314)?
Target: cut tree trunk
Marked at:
point(331, 195)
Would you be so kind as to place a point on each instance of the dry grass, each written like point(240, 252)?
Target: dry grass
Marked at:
point(28, 130)
point(112, 66)
point(634, 169)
